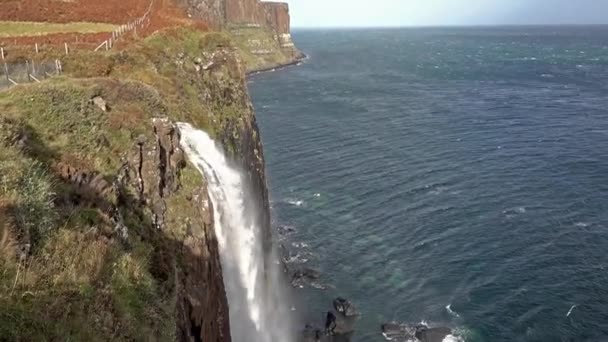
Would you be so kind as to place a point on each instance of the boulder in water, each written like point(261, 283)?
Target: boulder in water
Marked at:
point(345, 307)
point(306, 276)
point(312, 334)
point(398, 332)
point(426, 334)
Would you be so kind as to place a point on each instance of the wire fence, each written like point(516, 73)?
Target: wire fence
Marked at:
point(27, 70)
point(140, 22)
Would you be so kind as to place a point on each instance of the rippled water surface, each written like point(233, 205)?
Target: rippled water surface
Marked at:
point(427, 167)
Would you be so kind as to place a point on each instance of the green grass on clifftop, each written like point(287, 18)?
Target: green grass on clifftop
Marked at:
point(64, 273)
point(21, 28)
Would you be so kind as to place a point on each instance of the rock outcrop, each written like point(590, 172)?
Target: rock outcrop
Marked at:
point(227, 14)
point(278, 19)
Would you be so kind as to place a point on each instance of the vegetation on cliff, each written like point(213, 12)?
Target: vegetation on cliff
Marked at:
point(105, 230)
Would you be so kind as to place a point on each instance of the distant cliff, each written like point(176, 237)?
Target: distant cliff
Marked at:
point(272, 17)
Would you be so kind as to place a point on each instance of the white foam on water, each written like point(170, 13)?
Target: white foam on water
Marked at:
point(295, 202)
point(300, 244)
point(452, 338)
point(570, 311)
point(258, 306)
point(450, 311)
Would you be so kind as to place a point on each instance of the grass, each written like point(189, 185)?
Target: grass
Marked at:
point(24, 29)
point(90, 285)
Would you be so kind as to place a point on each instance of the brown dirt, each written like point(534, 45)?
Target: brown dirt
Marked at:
point(58, 11)
point(164, 14)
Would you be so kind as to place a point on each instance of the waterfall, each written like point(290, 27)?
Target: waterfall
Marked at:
point(257, 301)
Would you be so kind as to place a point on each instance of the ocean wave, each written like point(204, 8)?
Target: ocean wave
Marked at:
point(450, 311)
point(295, 202)
point(511, 212)
point(452, 338)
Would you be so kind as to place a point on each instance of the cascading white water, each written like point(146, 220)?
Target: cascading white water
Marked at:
point(259, 310)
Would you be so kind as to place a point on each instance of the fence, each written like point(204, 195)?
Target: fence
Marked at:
point(140, 22)
point(27, 71)
point(17, 72)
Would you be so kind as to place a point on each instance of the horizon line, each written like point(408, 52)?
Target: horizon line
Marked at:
point(442, 26)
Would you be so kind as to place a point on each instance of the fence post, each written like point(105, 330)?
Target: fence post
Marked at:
point(2, 52)
point(27, 70)
point(36, 47)
point(67, 51)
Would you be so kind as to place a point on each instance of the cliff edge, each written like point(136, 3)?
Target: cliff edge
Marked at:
point(106, 231)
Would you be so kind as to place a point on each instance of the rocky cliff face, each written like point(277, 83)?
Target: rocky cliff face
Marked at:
point(226, 14)
point(212, 12)
point(277, 17)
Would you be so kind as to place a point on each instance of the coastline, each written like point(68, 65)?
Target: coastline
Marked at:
point(279, 66)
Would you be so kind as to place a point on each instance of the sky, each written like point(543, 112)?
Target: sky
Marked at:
point(363, 13)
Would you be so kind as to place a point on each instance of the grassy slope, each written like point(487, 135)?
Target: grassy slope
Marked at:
point(77, 281)
point(19, 29)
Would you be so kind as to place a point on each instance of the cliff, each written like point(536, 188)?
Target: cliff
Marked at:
point(262, 29)
point(106, 231)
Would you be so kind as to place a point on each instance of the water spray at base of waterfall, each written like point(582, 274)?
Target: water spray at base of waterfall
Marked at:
point(258, 305)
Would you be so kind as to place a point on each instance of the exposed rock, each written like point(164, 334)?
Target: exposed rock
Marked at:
point(336, 328)
point(312, 334)
point(400, 332)
point(305, 273)
point(202, 313)
point(277, 16)
point(100, 102)
point(345, 307)
point(425, 334)
point(155, 167)
point(273, 16)
point(330, 323)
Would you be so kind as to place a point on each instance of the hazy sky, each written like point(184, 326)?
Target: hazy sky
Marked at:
point(323, 13)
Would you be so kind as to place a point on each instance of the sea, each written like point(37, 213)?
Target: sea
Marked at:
point(454, 176)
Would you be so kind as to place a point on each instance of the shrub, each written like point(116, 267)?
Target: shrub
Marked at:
point(35, 213)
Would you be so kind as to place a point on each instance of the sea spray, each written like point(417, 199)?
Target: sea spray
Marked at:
point(259, 308)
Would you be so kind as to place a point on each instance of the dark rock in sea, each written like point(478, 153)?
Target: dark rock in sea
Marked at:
point(308, 273)
point(345, 307)
point(398, 332)
point(425, 334)
point(306, 276)
point(286, 230)
point(330, 323)
point(312, 334)
point(337, 328)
